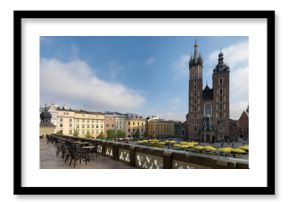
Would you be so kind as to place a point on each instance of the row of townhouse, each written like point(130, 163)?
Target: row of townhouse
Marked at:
point(81, 123)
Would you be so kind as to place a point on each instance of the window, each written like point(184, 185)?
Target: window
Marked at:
point(60, 119)
point(88, 126)
point(128, 123)
point(92, 121)
point(128, 130)
point(221, 129)
point(220, 107)
point(83, 126)
point(195, 102)
point(70, 120)
point(107, 125)
point(78, 126)
point(60, 125)
point(97, 126)
point(221, 115)
point(221, 81)
point(70, 132)
point(133, 123)
point(221, 91)
point(112, 125)
point(195, 109)
point(221, 99)
point(88, 121)
point(195, 87)
point(70, 125)
point(195, 80)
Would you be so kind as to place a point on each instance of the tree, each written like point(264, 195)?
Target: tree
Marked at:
point(121, 133)
point(76, 133)
point(101, 135)
point(88, 135)
point(137, 134)
point(111, 134)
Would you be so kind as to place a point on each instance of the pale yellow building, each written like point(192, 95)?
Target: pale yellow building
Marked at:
point(160, 128)
point(89, 123)
point(65, 121)
point(135, 124)
point(78, 123)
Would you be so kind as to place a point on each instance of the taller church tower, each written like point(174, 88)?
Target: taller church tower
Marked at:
point(194, 117)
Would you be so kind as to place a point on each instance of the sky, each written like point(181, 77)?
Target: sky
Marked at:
point(147, 75)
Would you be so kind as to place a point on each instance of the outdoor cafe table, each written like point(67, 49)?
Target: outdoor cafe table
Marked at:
point(88, 151)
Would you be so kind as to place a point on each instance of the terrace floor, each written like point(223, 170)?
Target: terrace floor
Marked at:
point(48, 160)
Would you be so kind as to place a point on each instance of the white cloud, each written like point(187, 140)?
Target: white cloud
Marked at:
point(115, 69)
point(169, 115)
point(239, 91)
point(75, 82)
point(233, 54)
point(181, 66)
point(150, 61)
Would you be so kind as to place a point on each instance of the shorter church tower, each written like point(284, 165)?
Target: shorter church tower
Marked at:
point(221, 94)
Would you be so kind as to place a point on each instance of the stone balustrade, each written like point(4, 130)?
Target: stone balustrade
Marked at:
point(157, 158)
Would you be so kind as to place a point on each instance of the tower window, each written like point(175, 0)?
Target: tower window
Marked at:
point(221, 81)
point(221, 115)
point(221, 91)
point(220, 107)
point(195, 80)
point(221, 99)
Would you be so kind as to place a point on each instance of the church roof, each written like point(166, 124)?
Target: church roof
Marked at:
point(207, 93)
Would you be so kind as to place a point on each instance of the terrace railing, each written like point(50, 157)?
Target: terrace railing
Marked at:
point(157, 158)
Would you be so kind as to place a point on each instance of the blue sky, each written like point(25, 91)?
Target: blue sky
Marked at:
point(145, 75)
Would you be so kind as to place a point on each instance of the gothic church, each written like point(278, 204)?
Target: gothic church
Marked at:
point(208, 114)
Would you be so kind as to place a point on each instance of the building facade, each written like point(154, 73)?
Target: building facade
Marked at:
point(208, 108)
point(135, 126)
point(179, 130)
point(160, 128)
point(89, 124)
point(243, 125)
point(76, 122)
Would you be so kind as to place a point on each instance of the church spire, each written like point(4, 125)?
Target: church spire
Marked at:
point(196, 59)
point(196, 50)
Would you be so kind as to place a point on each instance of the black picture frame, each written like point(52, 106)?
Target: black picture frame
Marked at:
point(268, 190)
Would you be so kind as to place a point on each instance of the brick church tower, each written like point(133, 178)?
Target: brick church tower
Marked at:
point(208, 109)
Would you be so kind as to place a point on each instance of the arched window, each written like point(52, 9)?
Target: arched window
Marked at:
point(207, 109)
